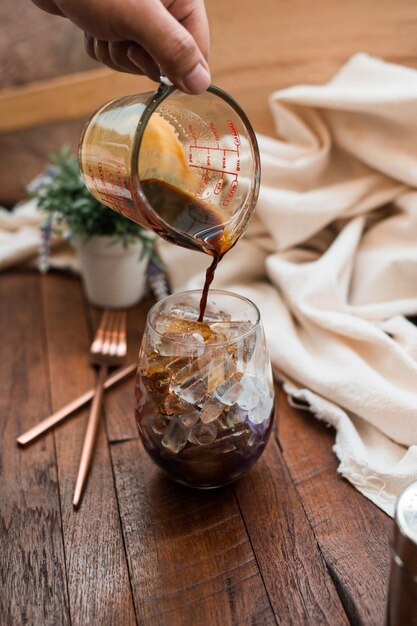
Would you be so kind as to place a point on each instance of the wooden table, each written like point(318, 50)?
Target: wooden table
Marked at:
point(291, 543)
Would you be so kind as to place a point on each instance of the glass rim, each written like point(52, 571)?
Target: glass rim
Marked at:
point(155, 100)
point(223, 292)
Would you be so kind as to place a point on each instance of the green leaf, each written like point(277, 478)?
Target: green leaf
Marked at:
point(67, 199)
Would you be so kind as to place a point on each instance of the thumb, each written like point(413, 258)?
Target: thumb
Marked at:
point(172, 46)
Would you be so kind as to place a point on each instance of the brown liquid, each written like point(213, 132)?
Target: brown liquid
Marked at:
point(202, 225)
point(201, 466)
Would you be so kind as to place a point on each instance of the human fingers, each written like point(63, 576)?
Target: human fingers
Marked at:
point(192, 15)
point(49, 6)
point(141, 59)
point(116, 56)
point(111, 54)
point(118, 51)
point(171, 45)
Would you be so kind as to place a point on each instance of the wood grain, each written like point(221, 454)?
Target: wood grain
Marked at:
point(190, 558)
point(291, 564)
point(259, 47)
point(65, 98)
point(293, 542)
point(256, 48)
point(98, 581)
point(353, 534)
point(32, 563)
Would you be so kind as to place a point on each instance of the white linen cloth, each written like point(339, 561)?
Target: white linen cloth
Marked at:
point(20, 238)
point(331, 261)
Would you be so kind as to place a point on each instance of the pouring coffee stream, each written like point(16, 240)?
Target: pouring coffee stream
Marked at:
point(186, 167)
point(192, 217)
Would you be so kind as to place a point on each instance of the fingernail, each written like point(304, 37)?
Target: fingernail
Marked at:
point(198, 79)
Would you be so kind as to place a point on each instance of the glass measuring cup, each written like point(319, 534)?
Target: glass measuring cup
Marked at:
point(184, 166)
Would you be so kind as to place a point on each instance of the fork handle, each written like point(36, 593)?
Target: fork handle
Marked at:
point(90, 436)
point(65, 411)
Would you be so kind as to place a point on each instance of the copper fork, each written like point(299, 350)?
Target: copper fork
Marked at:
point(107, 350)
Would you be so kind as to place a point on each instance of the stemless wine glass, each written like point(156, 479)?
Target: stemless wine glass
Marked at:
point(204, 390)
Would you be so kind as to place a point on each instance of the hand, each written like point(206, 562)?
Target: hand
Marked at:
point(151, 37)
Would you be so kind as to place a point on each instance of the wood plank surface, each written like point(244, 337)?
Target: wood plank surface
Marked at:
point(98, 580)
point(353, 534)
point(291, 564)
point(259, 47)
point(190, 558)
point(32, 563)
point(69, 97)
point(256, 48)
point(291, 543)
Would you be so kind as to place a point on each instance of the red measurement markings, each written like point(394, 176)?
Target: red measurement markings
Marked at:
point(234, 131)
point(215, 133)
point(93, 178)
point(231, 193)
point(101, 174)
point(219, 186)
point(235, 150)
point(213, 169)
point(102, 189)
point(121, 180)
point(192, 132)
point(202, 185)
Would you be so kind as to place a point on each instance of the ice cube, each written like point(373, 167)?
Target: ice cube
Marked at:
point(185, 311)
point(263, 410)
point(203, 434)
point(190, 382)
point(159, 423)
point(169, 325)
point(176, 365)
point(254, 440)
point(221, 367)
point(218, 336)
point(236, 415)
point(234, 328)
point(174, 405)
point(251, 352)
point(211, 410)
point(222, 332)
point(175, 436)
point(192, 392)
point(229, 391)
point(210, 315)
point(174, 344)
point(191, 368)
point(222, 446)
point(249, 397)
point(189, 419)
point(154, 373)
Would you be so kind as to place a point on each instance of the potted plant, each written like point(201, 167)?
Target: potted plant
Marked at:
point(114, 251)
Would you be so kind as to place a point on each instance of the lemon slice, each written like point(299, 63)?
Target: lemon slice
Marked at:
point(162, 154)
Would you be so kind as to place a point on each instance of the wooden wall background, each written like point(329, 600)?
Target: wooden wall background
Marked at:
point(257, 47)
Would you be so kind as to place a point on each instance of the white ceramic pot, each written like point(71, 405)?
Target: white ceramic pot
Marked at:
point(113, 276)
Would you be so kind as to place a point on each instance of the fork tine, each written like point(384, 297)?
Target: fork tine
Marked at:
point(121, 344)
point(105, 348)
point(115, 333)
point(98, 339)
